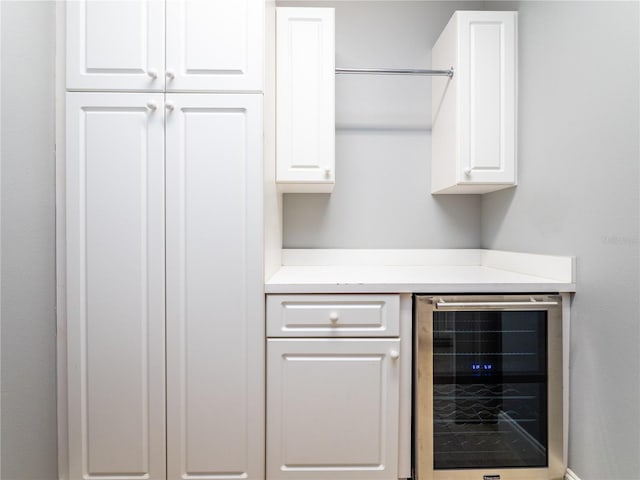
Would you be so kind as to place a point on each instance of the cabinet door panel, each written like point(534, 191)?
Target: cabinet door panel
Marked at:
point(332, 409)
point(215, 45)
point(215, 300)
point(305, 99)
point(488, 104)
point(115, 45)
point(115, 286)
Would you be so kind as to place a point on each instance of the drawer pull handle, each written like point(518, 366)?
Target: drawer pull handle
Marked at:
point(333, 316)
point(394, 354)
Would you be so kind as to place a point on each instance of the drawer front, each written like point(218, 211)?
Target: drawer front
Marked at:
point(333, 315)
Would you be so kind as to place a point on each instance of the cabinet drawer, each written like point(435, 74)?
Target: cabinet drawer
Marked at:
point(333, 315)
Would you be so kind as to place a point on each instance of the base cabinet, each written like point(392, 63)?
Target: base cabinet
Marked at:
point(332, 409)
point(338, 387)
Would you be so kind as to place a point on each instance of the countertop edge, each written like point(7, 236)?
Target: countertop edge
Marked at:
point(421, 288)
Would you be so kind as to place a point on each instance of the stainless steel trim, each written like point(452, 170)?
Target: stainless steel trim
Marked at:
point(442, 305)
point(395, 71)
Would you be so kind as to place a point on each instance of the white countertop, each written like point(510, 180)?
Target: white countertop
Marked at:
point(425, 271)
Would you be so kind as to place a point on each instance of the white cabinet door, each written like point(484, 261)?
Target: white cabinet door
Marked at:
point(115, 286)
point(115, 45)
point(305, 99)
point(332, 409)
point(215, 296)
point(215, 45)
point(474, 113)
point(487, 65)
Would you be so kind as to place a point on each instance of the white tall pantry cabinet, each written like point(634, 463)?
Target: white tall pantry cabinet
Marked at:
point(164, 271)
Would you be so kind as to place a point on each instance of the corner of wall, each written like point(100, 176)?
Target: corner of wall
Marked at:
point(570, 475)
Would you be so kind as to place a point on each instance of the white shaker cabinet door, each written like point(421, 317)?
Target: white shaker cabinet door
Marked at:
point(115, 45)
point(215, 296)
point(215, 45)
point(332, 409)
point(305, 70)
point(115, 286)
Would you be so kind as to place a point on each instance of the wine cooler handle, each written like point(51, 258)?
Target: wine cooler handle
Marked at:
point(529, 304)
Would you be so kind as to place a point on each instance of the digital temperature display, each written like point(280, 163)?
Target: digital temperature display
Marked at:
point(478, 368)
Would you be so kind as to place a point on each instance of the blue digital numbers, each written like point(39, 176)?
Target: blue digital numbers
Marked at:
point(481, 368)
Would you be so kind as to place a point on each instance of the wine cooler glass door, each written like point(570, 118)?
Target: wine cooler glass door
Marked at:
point(489, 389)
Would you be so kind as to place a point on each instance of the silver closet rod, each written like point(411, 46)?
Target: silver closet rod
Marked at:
point(395, 71)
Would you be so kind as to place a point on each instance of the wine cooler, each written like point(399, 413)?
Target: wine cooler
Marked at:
point(488, 396)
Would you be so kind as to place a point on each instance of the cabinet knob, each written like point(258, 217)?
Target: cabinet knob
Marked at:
point(169, 106)
point(327, 172)
point(467, 172)
point(152, 106)
point(170, 74)
point(333, 316)
point(394, 354)
point(153, 73)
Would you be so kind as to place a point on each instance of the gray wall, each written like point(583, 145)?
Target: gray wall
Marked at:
point(579, 195)
point(383, 140)
point(28, 242)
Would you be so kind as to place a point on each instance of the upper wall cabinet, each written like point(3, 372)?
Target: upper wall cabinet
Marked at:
point(210, 45)
point(305, 127)
point(474, 113)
